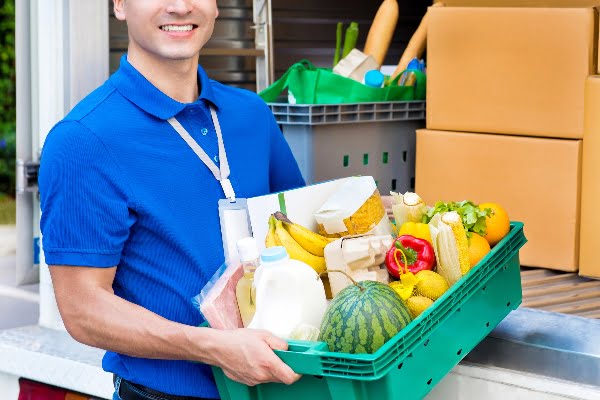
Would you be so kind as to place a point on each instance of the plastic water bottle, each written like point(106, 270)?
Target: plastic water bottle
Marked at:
point(289, 295)
point(374, 78)
point(244, 291)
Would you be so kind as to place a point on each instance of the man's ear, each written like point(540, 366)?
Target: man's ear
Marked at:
point(119, 9)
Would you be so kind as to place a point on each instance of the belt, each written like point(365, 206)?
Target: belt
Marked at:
point(133, 391)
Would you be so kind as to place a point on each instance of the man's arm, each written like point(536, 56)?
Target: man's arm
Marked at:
point(94, 315)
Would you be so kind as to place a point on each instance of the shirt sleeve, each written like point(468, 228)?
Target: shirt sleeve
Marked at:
point(86, 206)
point(284, 173)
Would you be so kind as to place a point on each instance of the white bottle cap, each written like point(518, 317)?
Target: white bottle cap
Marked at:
point(247, 249)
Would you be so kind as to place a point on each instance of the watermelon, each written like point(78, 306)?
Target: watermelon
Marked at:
point(362, 320)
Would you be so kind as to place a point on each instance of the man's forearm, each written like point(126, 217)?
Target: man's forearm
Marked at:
point(112, 323)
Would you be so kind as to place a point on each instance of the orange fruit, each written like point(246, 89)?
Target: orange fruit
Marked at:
point(498, 223)
point(478, 248)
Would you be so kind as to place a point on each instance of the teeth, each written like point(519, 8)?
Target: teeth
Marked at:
point(177, 28)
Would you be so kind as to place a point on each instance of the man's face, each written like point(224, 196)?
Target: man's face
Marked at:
point(168, 29)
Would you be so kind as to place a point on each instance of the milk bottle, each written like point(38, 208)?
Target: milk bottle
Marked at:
point(289, 295)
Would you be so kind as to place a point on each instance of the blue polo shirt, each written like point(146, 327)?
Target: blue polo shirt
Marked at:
point(119, 187)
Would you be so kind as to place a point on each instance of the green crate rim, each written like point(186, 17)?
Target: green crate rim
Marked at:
point(376, 365)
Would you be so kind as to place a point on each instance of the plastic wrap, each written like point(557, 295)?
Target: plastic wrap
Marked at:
point(217, 301)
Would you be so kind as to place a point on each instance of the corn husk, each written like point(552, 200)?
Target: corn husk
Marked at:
point(407, 207)
point(450, 247)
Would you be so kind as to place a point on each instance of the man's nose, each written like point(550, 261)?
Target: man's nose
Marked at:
point(180, 7)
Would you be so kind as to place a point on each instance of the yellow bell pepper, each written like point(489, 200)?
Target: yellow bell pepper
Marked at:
point(416, 229)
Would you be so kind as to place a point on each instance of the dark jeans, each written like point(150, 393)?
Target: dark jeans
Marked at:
point(118, 381)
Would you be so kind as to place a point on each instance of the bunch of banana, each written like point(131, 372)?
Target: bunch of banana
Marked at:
point(301, 243)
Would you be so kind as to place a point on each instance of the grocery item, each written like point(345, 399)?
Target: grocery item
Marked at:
point(382, 30)
point(409, 254)
point(450, 245)
point(360, 257)
point(417, 304)
point(473, 217)
point(431, 285)
point(350, 39)
point(355, 65)
point(408, 207)
point(405, 287)
point(296, 251)
point(217, 301)
point(271, 238)
point(416, 45)
point(338, 43)
point(354, 209)
point(289, 295)
point(478, 248)
point(497, 223)
point(309, 240)
point(244, 292)
point(416, 229)
point(362, 317)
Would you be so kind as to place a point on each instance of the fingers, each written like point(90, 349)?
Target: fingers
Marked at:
point(275, 342)
point(283, 373)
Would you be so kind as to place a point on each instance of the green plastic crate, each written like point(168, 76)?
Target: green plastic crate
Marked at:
point(410, 364)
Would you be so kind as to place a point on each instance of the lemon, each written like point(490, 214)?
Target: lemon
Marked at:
point(417, 304)
point(431, 285)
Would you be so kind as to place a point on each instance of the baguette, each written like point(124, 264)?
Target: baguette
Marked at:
point(382, 30)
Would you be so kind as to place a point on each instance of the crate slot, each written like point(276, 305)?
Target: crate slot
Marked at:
point(349, 108)
point(383, 116)
point(366, 116)
point(383, 106)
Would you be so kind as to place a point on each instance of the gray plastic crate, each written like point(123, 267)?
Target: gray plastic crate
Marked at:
point(339, 140)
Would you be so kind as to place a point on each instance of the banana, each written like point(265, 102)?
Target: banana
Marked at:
point(309, 240)
point(272, 239)
point(296, 251)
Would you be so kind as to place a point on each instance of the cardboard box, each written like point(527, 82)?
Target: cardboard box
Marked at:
point(521, 3)
point(537, 180)
point(517, 71)
point(590, 182)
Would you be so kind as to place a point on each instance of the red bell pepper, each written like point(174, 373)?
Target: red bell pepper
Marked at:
point(418, 254)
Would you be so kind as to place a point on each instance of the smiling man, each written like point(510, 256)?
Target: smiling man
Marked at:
point(129, 184)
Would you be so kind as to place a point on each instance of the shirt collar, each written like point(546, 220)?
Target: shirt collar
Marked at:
point(137, 89)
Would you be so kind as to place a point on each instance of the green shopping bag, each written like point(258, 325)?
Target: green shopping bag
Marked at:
point(311, 85)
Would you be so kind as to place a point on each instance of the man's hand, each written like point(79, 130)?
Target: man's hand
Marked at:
point(246, 356)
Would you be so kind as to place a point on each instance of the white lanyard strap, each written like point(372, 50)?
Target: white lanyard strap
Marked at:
point(221, 174)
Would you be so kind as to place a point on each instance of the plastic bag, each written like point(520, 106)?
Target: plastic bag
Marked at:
point(217, 300)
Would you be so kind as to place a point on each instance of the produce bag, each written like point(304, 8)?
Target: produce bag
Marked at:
point(355, 208)
point(311, 85)
point(217, 301)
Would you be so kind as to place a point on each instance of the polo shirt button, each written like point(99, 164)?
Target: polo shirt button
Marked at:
point(216, 158)
point(204, 131)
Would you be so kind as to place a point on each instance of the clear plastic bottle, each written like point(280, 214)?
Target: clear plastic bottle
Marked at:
point(244, 291)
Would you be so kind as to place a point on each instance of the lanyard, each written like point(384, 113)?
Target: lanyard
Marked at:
point(221, 174)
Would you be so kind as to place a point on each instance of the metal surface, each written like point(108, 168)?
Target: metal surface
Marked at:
point(53, 357)
point(544, 343)
point(26, 271)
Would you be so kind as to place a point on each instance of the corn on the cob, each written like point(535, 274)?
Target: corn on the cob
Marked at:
point(450, 246)
point(407, 208)
point(454, 220)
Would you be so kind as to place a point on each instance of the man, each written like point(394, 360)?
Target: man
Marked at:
point(129, 211)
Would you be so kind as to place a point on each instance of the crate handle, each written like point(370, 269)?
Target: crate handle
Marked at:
point(301, 356)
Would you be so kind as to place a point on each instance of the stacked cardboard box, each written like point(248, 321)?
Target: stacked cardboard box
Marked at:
point(505, 115)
